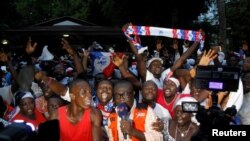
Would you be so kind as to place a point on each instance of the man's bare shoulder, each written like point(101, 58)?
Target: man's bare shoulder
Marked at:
point(95, 113)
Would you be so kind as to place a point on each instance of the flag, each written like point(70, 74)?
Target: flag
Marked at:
point(102, 63)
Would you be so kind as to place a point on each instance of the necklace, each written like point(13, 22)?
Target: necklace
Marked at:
point(183, 134)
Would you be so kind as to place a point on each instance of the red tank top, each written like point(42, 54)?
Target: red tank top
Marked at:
point(82, 131)
point(169, 106)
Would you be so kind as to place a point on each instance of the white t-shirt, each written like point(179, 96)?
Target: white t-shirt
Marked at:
point(158, 82)
point(235, 98)
point(161, 112)
point(66, 96)
point(244, 112)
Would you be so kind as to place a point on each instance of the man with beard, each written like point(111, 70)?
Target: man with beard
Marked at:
point(149, 94)
point(169, 95)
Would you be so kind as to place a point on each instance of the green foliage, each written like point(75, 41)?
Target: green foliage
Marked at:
point(112, 12)
point(31, 11)
point(34, 11)
point(8, 14)
point(238, 18)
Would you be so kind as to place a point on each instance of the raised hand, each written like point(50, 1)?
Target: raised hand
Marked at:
point(125, 27)
point(86, 53)
point(207, 57)
point(67, 47)
point(29, 47)
point(117, 60)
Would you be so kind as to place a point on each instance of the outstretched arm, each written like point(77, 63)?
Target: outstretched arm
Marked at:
point(54, 85)
point(141, 64)
point(139, 57)
point(119, 62)
point(71, 51)
point(30, 48)
point(85, 60)
point(184, 77)
point(185, 55)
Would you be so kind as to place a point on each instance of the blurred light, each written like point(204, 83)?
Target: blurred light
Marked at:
point(65, 35)
point(4, 42)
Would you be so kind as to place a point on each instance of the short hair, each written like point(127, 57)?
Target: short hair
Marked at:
point(107, 80)
point(56, 96)
point(149, 81)
point(75, 82)
point(123, 82)
point(158, 41)
point(20, 94)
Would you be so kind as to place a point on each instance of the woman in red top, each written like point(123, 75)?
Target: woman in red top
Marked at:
point(28, 113)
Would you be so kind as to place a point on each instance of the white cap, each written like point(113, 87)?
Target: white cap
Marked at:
point(69, 69)
point(28, 95)
point(176, 81)
point(153, 59)
point(185, 99)
point(188, 99)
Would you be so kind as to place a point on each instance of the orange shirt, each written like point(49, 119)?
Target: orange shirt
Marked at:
point(138, 122)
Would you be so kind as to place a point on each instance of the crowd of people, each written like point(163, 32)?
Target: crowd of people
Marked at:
point(60, 100)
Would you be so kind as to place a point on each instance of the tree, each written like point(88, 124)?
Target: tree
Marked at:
point(8, 14)
point(222, 21)
point(238, 19)
point(154, 13)
point(113, 12)
point(35, 11)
